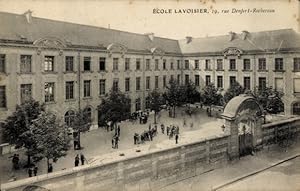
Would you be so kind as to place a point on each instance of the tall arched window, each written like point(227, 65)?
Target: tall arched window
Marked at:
point(69, 117)
point(88, 114)
point(296, 108)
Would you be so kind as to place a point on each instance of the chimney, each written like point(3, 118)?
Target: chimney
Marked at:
point(28, 15)
point(188, 39)
point(245, 34)
point(150, 36)
point(231, 36)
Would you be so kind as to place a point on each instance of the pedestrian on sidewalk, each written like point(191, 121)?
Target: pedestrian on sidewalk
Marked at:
point(162, 129)
point(82, 159)
point(30, 172)
point(77, 160)
point(176, 138)
point(168, 130)
point(35, 169)
point(15, 161)
point(50, 168)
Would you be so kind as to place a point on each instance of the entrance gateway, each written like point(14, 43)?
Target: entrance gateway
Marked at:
point(243, 120)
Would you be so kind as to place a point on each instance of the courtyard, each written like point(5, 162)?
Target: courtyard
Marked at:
point(97, 144)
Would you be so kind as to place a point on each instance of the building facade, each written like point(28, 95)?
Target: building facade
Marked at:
point(70, 66)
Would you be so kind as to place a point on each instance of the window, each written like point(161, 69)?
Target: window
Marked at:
point(178, 65)
point(138, 104)
point(127, 64)
point(219, 64)
point(186, 64)
point(147, 64)
point(164, 64)
point(69, 118)
point(296, 64)
point(116, 84)
point(297, 85)
point(69, 63)
point(197, 64)
point(178, 78)
point(207, 80)
point(172, 65)
point(49, 92)
point(172, 78)
point(86, 63)
point(262, 64)
point(156, 64)
point(102, 62)
point(2, 63)
point(2, 97)
point(296, 108)
point(102, 87)
point(232, 80)
point(138, 64)
point(262, 83)
point(278, 64)
point(25, 66)
point(147, 104)
point(220, 82)
point(87, 113)
point(164, 81)
point(147, 82)
point(156, 82)
point(279, 84)
point(197, 80)
point(26, 92)
point(247, 83)
point(115, 64)
point(138, 83)
point(187, 79)
point(207, 65)
point(86, 88)
point(69, 90)
point(232, 64)
point(49, 64)
point(127, 84)
point(247, 64)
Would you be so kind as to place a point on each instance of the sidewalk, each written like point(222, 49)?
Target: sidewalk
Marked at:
point(244, 167)
point(97, 143)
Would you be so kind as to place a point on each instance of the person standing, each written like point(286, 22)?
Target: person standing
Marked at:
point(82, 159)
point(35, 169)
point(168, 130)
point(176, 138)
point(50, 168)
point(30, 172)
point(119, 130)
point(77, 160)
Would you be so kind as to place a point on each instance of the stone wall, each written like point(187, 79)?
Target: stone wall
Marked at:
point(149, 171)
point(273, 132)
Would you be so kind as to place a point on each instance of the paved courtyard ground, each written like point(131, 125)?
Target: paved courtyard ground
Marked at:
point(97, 142)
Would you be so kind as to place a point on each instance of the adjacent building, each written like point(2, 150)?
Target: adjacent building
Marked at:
point(70, 66)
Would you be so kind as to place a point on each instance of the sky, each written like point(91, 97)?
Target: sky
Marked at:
point(138, 17)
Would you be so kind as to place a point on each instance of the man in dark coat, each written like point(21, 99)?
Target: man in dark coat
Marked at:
point(76, 160)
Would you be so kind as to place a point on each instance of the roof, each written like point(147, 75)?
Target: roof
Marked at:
point(261, 41)
point(16, 26)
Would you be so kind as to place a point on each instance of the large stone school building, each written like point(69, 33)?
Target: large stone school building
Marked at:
point(69, 66)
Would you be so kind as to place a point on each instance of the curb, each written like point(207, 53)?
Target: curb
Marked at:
point(254, 173)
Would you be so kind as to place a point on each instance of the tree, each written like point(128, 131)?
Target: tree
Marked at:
point(174, 96)
point(234, 90)
point(269, 99)
point(51, 138)
point(115, 107)
point(82, 123)
point(210, 96)
point(156, 101)
point(17, 125)
point(191, 93)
